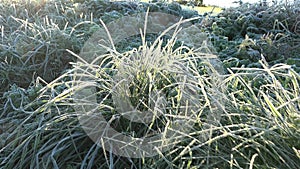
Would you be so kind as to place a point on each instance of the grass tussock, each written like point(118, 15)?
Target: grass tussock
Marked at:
point(241, 117)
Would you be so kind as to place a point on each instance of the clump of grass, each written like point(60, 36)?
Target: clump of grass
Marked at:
point(257, 125)
point(160, 79)
point(249, 118)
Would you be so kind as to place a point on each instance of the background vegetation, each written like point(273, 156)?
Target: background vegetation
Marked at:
point(258, 45)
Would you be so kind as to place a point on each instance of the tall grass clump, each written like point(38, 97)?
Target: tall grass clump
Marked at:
point(246, 118)
point(166, 83)
point(249, 118)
